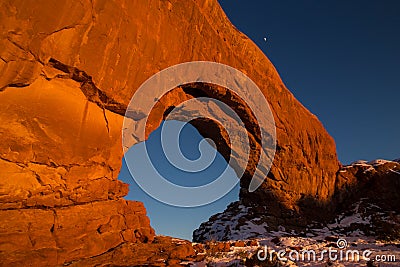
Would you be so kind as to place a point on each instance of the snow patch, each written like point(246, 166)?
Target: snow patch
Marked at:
point(378, 162)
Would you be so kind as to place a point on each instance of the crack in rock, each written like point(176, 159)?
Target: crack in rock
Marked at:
point(89, 89)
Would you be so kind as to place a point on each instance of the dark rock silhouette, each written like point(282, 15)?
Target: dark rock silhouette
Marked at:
point(366, 201)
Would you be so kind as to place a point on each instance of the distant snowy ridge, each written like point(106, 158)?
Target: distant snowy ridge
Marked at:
point(374, 163)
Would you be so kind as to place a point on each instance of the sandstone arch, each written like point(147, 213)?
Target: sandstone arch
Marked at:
point(68, 70)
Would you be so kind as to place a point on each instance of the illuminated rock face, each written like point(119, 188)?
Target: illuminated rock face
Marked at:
point(68, 72)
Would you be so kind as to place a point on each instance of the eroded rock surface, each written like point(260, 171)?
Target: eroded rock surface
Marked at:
point(68, 71)
point(53, 236)
point(163, 251)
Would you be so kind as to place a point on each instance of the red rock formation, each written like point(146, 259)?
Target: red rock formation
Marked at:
point(52, 236)
point(68, 71)
point(164, 251)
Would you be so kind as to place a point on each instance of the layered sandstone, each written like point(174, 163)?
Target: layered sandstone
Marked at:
point(53, 236)
point(68, 72)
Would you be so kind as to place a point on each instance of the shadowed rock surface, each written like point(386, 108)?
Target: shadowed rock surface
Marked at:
point(366, 203)
point(68, 71)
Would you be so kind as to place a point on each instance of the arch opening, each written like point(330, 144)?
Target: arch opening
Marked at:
point(166, 219)
point(205, 124)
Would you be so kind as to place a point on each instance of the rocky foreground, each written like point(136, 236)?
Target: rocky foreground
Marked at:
point(294, 251)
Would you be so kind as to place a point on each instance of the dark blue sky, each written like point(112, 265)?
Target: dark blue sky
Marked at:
point(341, 59)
